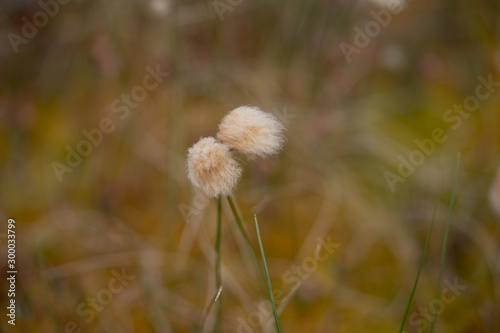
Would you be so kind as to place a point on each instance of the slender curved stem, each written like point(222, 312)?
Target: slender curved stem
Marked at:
point(267, 275)
point(245, 236)
point(445, 242)
point(218, 322)
point(238, 220)
point(429, 233)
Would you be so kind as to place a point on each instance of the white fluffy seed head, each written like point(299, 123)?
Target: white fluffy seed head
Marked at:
point(252, 131)
point(212, 168)
point(494, 195)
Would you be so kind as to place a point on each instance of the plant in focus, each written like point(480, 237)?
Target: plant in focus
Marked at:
point(212, 168)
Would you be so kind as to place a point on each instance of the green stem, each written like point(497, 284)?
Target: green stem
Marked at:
point(445, 242)
point(419, 269)
point(238, 221)
point(245, 236)
point(267, 275)
point(218, 322)
point(209, 307)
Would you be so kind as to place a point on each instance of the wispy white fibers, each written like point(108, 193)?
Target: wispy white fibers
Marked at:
point(212, 168)
point(255, 133)
point(252, 131)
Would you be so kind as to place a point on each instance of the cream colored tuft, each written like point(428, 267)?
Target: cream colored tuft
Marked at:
point(212, 168)
point(494, 195)
point(252, 131)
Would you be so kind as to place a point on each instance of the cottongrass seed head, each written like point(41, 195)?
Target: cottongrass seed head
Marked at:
point(252, 131)
point(212, 168)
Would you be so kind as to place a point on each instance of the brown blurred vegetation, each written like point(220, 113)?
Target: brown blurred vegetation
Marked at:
point(350, 121)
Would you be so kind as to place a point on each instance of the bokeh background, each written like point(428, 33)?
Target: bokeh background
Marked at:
point(128, 206)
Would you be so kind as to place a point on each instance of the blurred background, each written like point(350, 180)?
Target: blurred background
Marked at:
point(100, 100)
